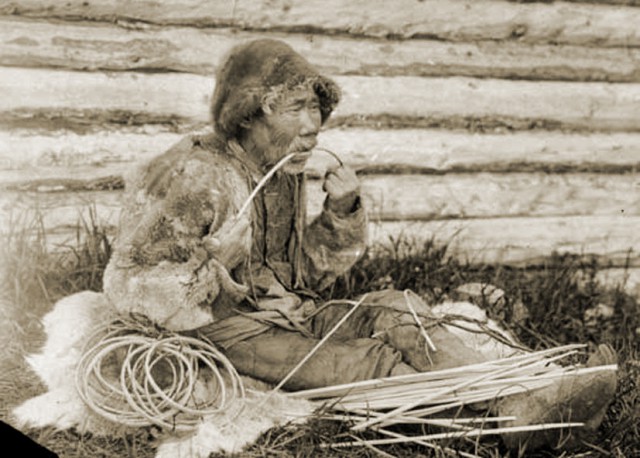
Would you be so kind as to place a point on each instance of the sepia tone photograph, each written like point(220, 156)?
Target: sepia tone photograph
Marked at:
point(320, 228)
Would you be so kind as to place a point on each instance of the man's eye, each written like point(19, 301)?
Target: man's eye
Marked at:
point(294, 108)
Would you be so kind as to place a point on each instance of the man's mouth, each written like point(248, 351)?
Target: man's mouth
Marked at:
point(305, 144)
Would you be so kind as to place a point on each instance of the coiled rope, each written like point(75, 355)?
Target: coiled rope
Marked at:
point(136, 375)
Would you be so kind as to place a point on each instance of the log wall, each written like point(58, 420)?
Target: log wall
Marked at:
point(509, 129)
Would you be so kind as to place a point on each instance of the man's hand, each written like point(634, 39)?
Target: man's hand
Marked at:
point(343, 188)
point(227, 242)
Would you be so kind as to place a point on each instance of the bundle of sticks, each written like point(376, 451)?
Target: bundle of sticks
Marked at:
point(423, 398)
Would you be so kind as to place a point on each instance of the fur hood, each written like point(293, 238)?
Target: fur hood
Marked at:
point(251, 70)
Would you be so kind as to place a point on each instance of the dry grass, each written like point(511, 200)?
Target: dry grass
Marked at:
point(555, 295)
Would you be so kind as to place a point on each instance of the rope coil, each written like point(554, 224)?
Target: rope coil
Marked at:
point(164, 379)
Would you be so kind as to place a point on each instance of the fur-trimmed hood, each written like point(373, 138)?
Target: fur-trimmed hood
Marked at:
point(251, 70)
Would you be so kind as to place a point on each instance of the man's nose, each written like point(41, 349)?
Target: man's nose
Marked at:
point(309, 122)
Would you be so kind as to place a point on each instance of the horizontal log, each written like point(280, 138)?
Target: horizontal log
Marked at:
point(460, 20)
point(72, 98)
point(28, 43)
point(525, 241)
point(600, 2)
point(398, 198)
point(62, 154)
point(612, 241)
point(31, 154)
point(417, 197)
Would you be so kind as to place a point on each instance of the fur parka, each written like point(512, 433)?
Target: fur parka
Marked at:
point(162, 266)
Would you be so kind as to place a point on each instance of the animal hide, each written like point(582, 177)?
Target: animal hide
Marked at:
point(68, 327)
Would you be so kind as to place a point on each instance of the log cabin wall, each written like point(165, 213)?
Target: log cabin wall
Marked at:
point(509, 129)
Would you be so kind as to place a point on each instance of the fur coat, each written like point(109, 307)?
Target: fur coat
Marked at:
point(186, 201)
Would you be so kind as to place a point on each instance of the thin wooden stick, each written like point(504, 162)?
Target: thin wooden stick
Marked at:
point(335, 156)
point(263, 181)
point(371, 447)
point(419, 420)
point(427, 339)
point(318, 345)
point(429, 444)
point(459, 434)
point(444, 422)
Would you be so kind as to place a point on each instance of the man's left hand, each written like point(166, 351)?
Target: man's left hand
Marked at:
point(343, 188)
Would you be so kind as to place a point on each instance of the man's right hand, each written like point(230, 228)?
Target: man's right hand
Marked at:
point(226, 244)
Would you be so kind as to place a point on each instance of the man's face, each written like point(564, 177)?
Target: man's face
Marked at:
point(290, 126)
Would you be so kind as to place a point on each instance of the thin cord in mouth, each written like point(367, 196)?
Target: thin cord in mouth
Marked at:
point(335, 156)
point(263, 181)
point(273, 170)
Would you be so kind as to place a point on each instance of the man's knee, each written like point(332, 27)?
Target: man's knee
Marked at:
point(272, 355)
point(360, 325)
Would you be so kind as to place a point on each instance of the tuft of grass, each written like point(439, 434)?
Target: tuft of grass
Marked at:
point(400, 264)
point(556, 295)
point(34, 276)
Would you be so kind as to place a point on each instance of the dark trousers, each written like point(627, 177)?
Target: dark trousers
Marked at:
point(378, 340)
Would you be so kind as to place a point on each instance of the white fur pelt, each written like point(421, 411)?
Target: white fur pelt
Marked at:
point(260, 412)
point(68, 327)
point(479, 341)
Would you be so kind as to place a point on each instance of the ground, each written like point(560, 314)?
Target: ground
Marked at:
point(556, 302)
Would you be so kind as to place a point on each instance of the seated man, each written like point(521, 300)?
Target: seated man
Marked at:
point(187, 259)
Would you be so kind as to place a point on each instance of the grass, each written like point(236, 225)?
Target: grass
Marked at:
point(554, 296)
